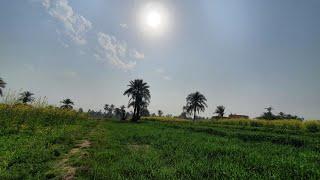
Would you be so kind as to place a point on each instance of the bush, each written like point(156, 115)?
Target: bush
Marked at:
point(21, 116)
point(312, 126)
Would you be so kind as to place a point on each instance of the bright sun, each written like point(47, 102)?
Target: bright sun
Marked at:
point(153, 19)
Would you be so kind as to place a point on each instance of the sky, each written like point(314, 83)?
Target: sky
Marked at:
point(243, 54)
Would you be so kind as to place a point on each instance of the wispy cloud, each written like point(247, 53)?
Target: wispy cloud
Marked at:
point(75, 25)
point(125, 26)
point(115, 51)
point(163, 74)
point(135, 54)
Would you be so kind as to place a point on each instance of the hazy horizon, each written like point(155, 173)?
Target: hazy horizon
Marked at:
point(245, 55)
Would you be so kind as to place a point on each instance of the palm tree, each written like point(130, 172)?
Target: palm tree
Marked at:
point(26, 97)
point(106, 107)
point(220, 111)
point(121, 112)
point(269, 109)
point(160, 113)
point(67, 104)
point(111, 110)
point(196, 102)
point(2, 86)
point(139, 94)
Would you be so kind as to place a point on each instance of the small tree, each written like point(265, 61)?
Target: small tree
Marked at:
point(26, 97)
point(106, 108)
point(220, 111)
point(67, 104)
point(160, 113)
point(268, 115)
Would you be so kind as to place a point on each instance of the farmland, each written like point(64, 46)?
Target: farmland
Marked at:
point(46, 145)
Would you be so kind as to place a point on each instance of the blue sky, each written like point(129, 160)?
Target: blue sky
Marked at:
point(242, 54)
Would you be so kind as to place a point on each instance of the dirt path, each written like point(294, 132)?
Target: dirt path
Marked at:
point(69, 171)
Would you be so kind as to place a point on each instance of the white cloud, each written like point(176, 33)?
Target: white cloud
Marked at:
point(135, 54)
point(163, 74)
point(75, 25)
point(125, 26)
point(115, 51)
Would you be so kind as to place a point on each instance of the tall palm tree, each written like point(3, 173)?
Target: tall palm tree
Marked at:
point(196, 102)
point(139, 94)
point(26, 97)
point(67, 104)
point(2, 86)
point(220, 111)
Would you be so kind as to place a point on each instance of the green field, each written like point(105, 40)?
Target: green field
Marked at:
point(150, 149)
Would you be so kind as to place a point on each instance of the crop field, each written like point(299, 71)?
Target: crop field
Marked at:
point(48, 143)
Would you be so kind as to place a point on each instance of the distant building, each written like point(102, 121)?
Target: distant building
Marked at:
point(237, 116)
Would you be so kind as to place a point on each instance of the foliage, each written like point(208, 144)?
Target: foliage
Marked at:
point(160, 113)
point(67, 104)
point(121, 113)
point(26, 97)
point(15, 117)
point(196, 102)
point(33, 139)
point(139, 94)
point(220, 111)
point(311, 126)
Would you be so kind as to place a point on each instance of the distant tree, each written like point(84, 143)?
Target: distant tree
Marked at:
point(160, 113)
point(139, 94)
point(2, 86)
point(106, 108)
point(196, 102)
point(123, 113)
point(80, 110)
point(220, 111)
point(117, 112)
point(269, 109)
point(111, 110)
point(282, 115)
point(268, 115)
point(67, 104)
point(26, 97)
point(145, 112)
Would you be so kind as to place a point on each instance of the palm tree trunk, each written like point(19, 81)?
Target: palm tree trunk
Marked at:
point(194, 115)
point(134, 113)
point(137, 114)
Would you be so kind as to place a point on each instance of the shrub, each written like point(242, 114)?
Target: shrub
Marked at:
point(312, 126)
point(21, 116)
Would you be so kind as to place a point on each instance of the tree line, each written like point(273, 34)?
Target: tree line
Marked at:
point(139, 96)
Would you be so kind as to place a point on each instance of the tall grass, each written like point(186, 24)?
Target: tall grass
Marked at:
point(311, 126)
point(14, 118)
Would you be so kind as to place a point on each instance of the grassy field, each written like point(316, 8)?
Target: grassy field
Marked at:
point(151, 149)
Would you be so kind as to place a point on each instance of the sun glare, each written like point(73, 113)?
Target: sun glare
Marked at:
point(153, 18)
